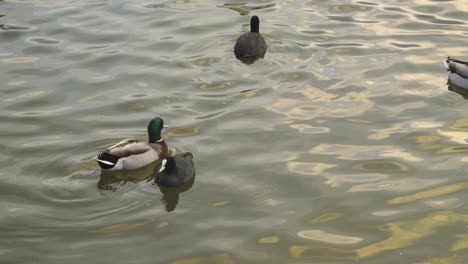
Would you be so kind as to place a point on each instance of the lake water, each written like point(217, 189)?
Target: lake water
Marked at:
point(342, 145)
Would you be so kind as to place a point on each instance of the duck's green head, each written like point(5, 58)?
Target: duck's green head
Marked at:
point(154, 129)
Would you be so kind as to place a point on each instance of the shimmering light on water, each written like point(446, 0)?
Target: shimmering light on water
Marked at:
point(343, 145)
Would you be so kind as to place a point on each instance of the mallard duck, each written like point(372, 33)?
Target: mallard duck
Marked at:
point(457, 75)
point(251, 45)
point(176, 170)
point(131, 154)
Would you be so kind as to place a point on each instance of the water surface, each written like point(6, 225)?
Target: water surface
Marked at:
point(343, 145)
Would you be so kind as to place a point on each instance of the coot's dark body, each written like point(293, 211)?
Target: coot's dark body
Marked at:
point(176, 170)
point(251, 45)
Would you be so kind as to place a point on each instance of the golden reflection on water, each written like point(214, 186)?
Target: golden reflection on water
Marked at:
point(330, 238)
point(268, 240)
point(217, 85)
point(163, 224)
point(401, 234)
point(315, 102)
point(385, 213)
point(139, 105)
point(309, 168)
point(406, 127)
point(20, 60)
point(220, 203)
point(126, 227)
point(447, 260)
point(458, 137)
point(366, 32)
point(462, 242)
point(307, 129)
point(203, 62)
point(439, 191)
point(427, 142)
point(349, 8)
point(359, 121)
point(183, 131)
point(248, 94)
point(334, 180)
point(460, 124)
point(381, 165)
point(326, 217)
point(222, 258)
point(423, 59)
point(397, 185)
point(84, 165)
point(406, 233)
point(454, 149)
point(120, 228)
point(239, 8)
point(422, 78)
point(318, 252)
point(352, 152)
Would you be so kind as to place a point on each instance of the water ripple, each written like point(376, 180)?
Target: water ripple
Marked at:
point(341, 145)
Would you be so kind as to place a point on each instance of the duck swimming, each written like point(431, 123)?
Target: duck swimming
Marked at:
point(130, 153)
point(457, 75)
point(176, 170)
point(251, 45)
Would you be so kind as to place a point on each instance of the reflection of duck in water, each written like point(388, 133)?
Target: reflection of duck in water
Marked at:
point(457, 76)
point(170, 196)
point(176, 175)
point(130, 154)
point(112, 180)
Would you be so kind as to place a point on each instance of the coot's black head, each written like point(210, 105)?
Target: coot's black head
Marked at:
point(255, 24)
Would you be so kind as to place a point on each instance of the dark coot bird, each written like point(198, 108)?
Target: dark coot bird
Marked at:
point(457, 76)
point(176, 170)
point(251, 45)
point(130, 153)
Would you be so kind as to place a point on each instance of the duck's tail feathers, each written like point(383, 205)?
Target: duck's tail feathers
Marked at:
point(106, 160)
point(446, 63)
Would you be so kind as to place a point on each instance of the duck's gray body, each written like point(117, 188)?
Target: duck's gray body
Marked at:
point(130, 154)
point(176, 170)
point(457, 72)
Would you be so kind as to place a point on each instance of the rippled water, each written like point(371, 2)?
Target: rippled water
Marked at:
point(343, 145)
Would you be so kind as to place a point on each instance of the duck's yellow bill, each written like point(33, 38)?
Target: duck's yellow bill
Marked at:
point(165, 126)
